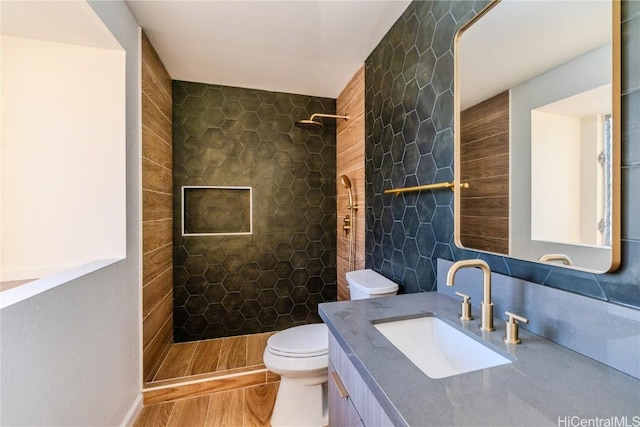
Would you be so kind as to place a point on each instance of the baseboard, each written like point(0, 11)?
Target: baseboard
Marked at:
point(134, 411)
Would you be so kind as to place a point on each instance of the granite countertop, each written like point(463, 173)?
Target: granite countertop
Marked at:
point(546, 384)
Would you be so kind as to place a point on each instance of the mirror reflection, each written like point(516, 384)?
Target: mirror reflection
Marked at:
point(537, 133)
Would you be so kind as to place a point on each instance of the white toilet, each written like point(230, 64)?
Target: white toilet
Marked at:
point(300, 355)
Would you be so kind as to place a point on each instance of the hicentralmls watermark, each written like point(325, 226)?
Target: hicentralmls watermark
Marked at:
point(614, 421)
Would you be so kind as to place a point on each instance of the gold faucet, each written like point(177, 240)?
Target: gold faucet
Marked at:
point(486, 305)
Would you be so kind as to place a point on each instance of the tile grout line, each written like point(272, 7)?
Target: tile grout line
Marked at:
point(192, 359)
point(206, 417)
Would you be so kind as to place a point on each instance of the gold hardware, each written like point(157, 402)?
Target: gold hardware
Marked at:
point(511, 331)
point(486, 305)
point(449, 185)
point(556, 257)
point(346, 224)
point(465, 307)
point(342, 390)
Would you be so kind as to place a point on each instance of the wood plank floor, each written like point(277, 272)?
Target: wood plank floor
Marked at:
point(212, 356)
point(249, 406)
point(218, 382)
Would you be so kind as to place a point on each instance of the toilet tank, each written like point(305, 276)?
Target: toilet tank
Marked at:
point(367, 283)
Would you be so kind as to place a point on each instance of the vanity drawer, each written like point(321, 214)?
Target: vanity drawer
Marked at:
point(366, 406)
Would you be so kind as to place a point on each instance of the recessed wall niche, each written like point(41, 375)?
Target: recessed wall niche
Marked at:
point(216, 210)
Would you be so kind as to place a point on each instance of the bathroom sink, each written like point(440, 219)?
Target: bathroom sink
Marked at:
point(437, 348)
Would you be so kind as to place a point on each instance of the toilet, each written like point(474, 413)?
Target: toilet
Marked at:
point(300, 355)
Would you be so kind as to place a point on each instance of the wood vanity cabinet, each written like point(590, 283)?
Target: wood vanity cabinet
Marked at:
point(351, 403)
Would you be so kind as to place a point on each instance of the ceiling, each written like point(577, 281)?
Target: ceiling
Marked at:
point(310, 47)
point(49, 20)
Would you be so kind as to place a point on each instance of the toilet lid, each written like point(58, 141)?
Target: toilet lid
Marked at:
point(300, 341)
point(370, 282)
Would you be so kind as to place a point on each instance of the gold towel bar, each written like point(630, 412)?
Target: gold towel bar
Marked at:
point(437, 186)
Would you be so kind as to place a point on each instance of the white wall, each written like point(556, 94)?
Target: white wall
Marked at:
point(71, 355)
point(63, 156)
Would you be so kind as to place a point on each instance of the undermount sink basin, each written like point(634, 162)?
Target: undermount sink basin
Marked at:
point(437, 348)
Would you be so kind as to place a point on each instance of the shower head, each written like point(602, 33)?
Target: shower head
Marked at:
point(309, 124)
point(312, 124)
point(346, 183)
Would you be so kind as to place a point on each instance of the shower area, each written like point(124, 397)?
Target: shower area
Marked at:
point(231, 279)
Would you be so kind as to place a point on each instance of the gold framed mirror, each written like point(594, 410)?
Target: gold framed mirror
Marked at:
point(537, 132)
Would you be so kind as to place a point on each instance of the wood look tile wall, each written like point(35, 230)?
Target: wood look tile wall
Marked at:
point(350, 162)
point(485, 166)
point(157, 211)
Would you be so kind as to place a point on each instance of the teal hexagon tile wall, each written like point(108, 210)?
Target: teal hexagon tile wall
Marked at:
point(409, 141)
point(276, 277)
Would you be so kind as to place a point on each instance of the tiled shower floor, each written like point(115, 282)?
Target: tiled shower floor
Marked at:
point(210, 356)
point(213, 382)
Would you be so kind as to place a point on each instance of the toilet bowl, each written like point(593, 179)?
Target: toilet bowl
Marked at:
point(300, 355)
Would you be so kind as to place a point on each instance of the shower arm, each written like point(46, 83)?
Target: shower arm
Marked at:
point(329, 116)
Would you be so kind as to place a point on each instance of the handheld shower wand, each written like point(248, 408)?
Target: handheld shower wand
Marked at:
point(349, 221)
point(346, 183)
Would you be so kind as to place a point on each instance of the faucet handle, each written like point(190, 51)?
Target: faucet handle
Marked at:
point(511, 331)
point(465, 307)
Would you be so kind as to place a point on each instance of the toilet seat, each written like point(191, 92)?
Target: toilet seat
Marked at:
point(300, 341)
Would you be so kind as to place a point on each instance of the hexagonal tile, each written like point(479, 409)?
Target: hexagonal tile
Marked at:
point(232, 128)
point(443, 149)
point(267, 298)
point(195, 325)
point(250, 271)
point(232, 109)
point(283, 269)
point(283, 123)
point(283, 305)
point(283, 251)
point(249, 290)
point(443, 37)
point(232, 282)
point(233, 321)
point(196, 304)
point(213, 117)
point(267, 316)
point(283, 104)
point(267, 279)
point(180, 296)
point(299, 277)
point(299, 294)
point(249, 101)
point(196, 285)
point(232, 263)
point(426, 169)
point(267, 113)
point(214, 313)
point(299, 241)
point(195, 265)
point(215, 293)
point(232, 301)
point(250, 309)
point(267, 261)
point(266, 150)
